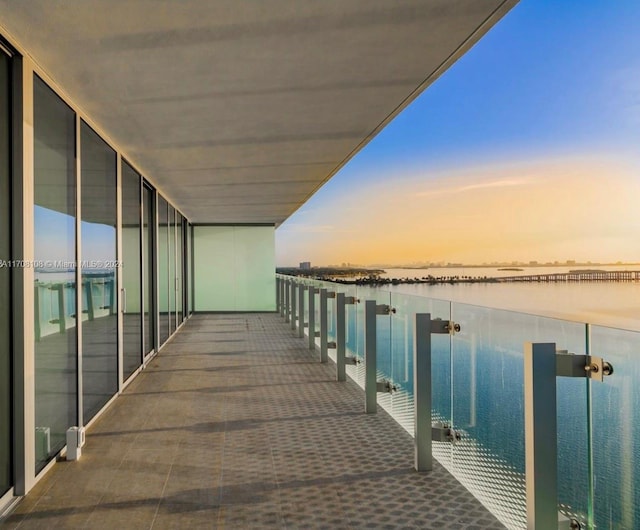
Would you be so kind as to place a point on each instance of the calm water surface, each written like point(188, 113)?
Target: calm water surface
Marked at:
point(612, 304)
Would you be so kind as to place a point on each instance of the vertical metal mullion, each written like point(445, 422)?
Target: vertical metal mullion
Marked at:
point(541, 435)
point(143, 264)
point(79, 287)
point(23, 279)
point(119, 280)
point(156, 271)
point(175, 270)
point(370, 352)
point(192, 302)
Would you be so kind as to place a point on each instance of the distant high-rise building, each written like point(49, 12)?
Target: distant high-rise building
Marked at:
point(305, 265)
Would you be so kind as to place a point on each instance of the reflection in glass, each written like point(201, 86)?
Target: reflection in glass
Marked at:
point(55, 279)
point(189, 271)
point(99, 299)
point(148, 268)
point(131, 270)
point(163, 270)
point(5, 280)
point(180, 266)
point(171, 227)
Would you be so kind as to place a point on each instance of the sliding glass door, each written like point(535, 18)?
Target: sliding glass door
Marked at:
point(131, 270)
point(99, 297)
point(171, 228)
point(180, 268)
point(163, 269)
point(148, 267)
point(56, 376)
point(5, 277)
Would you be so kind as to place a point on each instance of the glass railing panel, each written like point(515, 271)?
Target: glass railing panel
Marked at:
point(402, 345)
point(331, 319)
point(615, 431)
point(488, 405)
point(355, 329)
point(351, 329)
point(347, 289)
point(383, 340)
point(363, 293)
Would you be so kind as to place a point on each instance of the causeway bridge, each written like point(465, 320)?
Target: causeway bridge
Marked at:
point(576, 276)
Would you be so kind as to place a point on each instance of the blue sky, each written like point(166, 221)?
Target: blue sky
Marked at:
point(551, 93)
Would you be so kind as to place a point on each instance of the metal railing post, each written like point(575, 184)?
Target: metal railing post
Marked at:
point(301, 289)
point(341, 368)
point(541, 435)
point(422, 384)
point(312, 317)
point(370, 350)
point(287, 300)
point(294, 314)
point(324, 327)
point(282, 289)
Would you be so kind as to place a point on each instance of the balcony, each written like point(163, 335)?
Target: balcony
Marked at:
point(532, 413)
point(236, 424)
point(272, 420)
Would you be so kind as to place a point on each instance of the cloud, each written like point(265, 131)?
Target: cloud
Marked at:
point(500, 183)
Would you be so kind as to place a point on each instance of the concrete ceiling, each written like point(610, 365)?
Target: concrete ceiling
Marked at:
point(240, 110)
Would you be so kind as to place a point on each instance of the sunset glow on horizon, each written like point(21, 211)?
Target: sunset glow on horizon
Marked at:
point(530, 211)
point(525, 150)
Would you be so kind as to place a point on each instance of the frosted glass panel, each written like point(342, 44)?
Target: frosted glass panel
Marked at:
point(616, 444)
point(487, 374)
point(401, 367)
point(234, 268)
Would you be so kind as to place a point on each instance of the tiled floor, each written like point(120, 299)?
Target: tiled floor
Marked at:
point(236, 425)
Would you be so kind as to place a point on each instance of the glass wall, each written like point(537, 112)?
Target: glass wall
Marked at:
point(75, 265)
point(163, 270)
point(180, 267)
point(98, 272)
point(148, 261)
point(189, 270)
point(55, 272)
point(131, 270)
point(5, 277)
point(171, 232)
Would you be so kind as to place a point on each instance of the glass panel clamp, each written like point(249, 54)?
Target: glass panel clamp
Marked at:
point(384, 309)
point(386, 386)
point(441, 432)
point(573, 365)
point(439, 326)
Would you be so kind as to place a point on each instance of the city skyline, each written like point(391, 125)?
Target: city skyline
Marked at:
point(526, 149)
